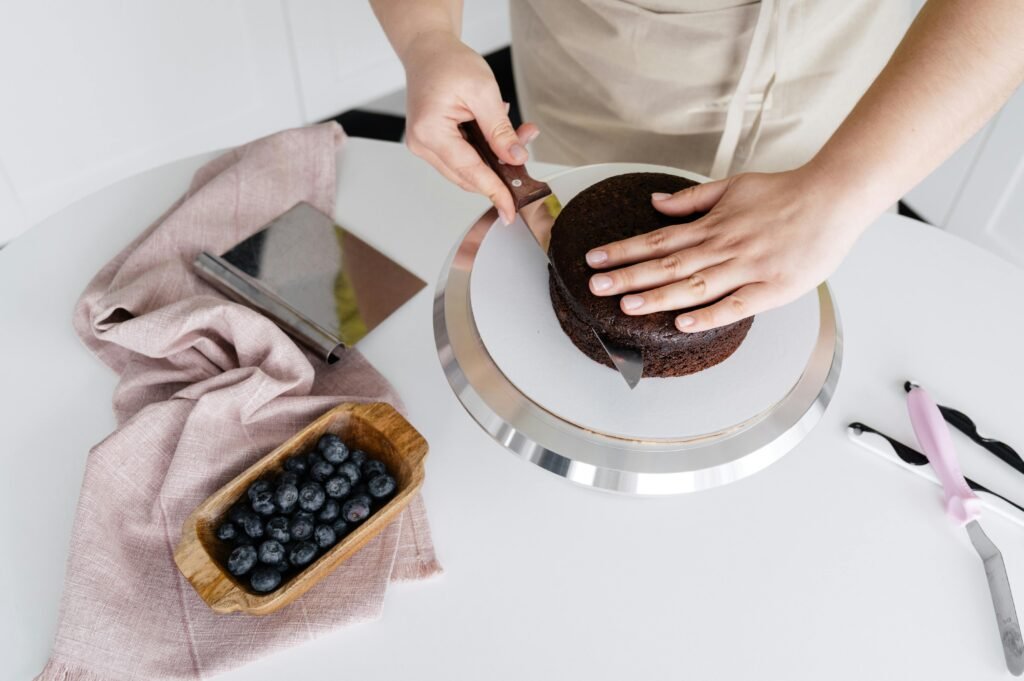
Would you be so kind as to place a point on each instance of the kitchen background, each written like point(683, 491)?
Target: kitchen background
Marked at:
point(97, 91)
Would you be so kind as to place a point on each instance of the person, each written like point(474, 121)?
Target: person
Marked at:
point(811, 116)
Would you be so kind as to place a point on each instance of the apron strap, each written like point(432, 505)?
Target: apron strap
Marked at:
point(746, 149)
point(734, 114)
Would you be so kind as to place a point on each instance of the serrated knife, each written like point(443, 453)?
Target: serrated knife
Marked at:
point(964, 508)
point(533, 201)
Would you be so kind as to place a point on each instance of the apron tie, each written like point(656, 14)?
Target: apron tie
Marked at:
point(729, 141)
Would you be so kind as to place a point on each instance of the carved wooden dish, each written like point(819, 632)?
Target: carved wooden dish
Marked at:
point(377, 428)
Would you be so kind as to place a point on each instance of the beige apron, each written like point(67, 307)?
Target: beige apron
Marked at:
point(713, 86)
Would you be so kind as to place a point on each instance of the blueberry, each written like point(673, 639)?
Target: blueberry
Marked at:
point(302, 526)
point(302, 553)
point(356, 509)
point(296, 464)
point(324, 535)
point(381, 486)
point(326, 440)
point(237, 512)
point(271, 552)
point(321, 470)
point(338, 486)
point(284, 566)
point(332, 448)
point(286, 497)
point(288, 478)
point(257, 487)
point(242, 539)
point(227, 531)
point(263, 503)
point(265, 579)
point(358, 457)
point(340, 528)
point(312, 458)
point(311, 497)
point(373, 468)
point(241, 560)
point(252, 525)
point(351, 471)
point(329, 511)
point(277, 529)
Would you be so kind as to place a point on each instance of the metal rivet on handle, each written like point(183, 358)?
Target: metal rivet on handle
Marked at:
point(517, 183)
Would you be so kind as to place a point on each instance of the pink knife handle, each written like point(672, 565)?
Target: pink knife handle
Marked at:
point(932, 433)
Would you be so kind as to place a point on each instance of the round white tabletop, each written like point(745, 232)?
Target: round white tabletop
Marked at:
point(829, 564)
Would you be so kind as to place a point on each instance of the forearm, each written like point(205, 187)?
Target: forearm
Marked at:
point(406, 20)
point(958, 63)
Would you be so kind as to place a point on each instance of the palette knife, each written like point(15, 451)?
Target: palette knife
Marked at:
point(964, 508)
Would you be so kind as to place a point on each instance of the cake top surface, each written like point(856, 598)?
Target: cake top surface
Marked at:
point(614, 209)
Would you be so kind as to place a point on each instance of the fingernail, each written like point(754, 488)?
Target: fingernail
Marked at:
point(596, 257)
point(683, 322)
point(518, 153)
point(600, 282)
point(533, 135)
point(660, 196)
point(632, 302)
point(504, 217)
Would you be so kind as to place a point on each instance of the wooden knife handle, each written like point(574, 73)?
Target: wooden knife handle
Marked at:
point(525, 189)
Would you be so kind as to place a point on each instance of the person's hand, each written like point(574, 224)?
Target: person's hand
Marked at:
point(447, 84)
point(766, 240)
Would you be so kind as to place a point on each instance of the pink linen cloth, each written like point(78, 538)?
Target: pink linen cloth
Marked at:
point(206, 388)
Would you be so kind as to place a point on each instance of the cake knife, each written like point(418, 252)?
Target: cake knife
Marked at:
point(964, 508)
point(531, 198)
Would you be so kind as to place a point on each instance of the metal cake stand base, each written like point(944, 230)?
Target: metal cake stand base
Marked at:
point(640, 467)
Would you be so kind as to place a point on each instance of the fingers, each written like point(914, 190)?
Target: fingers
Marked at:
point(697, 199)
point(492, 116)
point(527, 132)
point(449, 174)
point(470, 172)
point(476, 177)
point(652, 273)
point(656, 244)
point(746, 301)
point(697, 289)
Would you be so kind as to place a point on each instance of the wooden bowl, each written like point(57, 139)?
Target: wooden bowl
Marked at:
point(376, 428)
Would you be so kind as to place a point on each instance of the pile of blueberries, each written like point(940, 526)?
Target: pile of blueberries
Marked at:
point(287, 522)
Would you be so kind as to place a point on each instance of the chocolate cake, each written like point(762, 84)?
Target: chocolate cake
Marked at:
point(613, 209)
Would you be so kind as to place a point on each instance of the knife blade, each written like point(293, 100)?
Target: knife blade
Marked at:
point(964, 508)
point(1002, 598)
point(537, 206)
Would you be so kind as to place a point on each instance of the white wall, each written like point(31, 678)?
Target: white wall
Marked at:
point(96, 91)
point(92, 92)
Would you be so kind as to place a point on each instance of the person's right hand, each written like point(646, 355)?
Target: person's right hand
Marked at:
point(447, 84)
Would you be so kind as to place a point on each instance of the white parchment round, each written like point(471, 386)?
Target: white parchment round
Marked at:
point(513, 313)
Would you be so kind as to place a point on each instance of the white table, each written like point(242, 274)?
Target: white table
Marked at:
point(830, 564)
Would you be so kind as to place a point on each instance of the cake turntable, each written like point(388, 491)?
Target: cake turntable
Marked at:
point(522, 380)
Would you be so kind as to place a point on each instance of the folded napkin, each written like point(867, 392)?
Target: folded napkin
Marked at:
point(206, 388)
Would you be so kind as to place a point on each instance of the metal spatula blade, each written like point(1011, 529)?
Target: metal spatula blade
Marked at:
point(628, 361)
point(1002, 598)
point(535, 201)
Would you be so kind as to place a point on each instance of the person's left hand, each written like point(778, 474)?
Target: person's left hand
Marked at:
point(766, 240)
